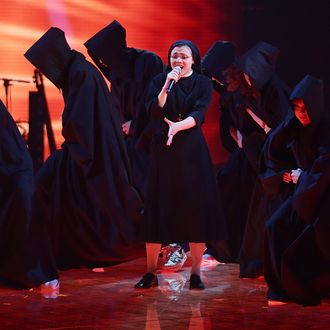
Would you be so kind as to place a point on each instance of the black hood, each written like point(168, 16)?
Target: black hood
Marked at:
point(52, 55)
point(109, 51)
point(310, 90)
point(218, 58)
point(259, 63)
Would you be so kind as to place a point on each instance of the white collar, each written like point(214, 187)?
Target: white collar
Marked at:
point(188, 74)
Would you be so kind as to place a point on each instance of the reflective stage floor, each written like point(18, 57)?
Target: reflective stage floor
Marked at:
point(105, 299)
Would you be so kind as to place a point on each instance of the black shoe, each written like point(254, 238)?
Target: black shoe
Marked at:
point(148, 280)
point(196, 282)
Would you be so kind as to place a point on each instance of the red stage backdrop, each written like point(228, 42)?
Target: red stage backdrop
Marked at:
point(151, 25)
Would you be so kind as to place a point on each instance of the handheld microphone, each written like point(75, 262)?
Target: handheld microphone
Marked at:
point(172, 81)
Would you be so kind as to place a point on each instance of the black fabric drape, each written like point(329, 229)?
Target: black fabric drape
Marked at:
point(297, 251)
point(85, 189)
point(129, 70)
point(25, 255)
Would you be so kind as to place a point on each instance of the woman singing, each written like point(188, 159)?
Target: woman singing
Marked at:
point(181, 202)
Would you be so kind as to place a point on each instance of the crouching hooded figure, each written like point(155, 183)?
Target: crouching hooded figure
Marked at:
point(297, 249)
point(25, 255)
point(84, 189)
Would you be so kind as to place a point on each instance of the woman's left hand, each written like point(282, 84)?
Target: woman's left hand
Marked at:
point(172, 130)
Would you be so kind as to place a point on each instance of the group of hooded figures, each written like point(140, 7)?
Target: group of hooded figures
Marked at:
point(275, 185)
point(85, 205)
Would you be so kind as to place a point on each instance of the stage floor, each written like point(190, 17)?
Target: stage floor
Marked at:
point(105, 299)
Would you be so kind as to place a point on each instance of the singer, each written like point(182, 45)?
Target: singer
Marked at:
point(181, 202)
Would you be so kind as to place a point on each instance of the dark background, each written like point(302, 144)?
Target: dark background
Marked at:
point(300, 29)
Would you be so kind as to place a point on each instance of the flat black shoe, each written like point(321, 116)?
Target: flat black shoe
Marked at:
point(148, 280)
point(196, 282)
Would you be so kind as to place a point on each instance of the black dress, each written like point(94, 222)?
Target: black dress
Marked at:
point(181, 202)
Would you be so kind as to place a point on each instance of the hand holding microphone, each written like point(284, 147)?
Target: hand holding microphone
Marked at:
point(174, 76)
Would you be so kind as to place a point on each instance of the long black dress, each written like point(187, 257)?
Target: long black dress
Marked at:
point(25, 254)
point(84, 189)
point(181, 203)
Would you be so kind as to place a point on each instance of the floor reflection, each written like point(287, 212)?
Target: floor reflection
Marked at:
point(105, 299)
point(184, 315)
point(172, 284)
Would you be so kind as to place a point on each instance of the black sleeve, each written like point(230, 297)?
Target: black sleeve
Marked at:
point(203, 101)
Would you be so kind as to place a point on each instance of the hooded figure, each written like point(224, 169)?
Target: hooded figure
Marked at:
point(277, 160)
point(258, 65)
point(110, 53)
point(129, 70)
point(219, 57)
point(262, 105)
point(236, 177)
point(297, 250)
point(84, 189)
point(25, 255)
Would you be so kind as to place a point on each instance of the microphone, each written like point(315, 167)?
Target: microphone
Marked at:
point(172, 81)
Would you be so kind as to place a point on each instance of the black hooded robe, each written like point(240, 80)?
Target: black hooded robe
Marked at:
point(270, 103)
point(274, 98)
point(25, 253)
point(84, 189)
point(296, 261)
point(129, 70)
point(236, 177)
